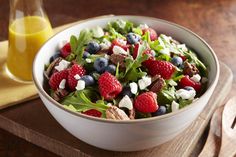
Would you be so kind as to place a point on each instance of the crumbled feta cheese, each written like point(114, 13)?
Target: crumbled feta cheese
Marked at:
point(109, 104)
point(166, 38)
point(62, 43)
point(174, 106)
point(143, 26)
point(172, 83)
point(133, 87)
point(144, 82)
point(62, 84)
point(119, 50)
point(77, 77)
point(106, 56)
point(126, 102)
point(196, 78)
point(122, 41)
point(183, 47)
point(105, 45)
point(88, 60)
point(165, 51)
point(185, 94)
point(62, 65)
point(204, 80)
point(97, 32)
point(161, 42)
point(80, 85)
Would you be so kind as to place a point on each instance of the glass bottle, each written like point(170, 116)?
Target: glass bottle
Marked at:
point(29, 28)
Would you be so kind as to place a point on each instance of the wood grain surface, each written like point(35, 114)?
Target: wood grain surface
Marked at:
point(214, 20)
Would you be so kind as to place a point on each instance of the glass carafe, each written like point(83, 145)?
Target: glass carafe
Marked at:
point(29, 28)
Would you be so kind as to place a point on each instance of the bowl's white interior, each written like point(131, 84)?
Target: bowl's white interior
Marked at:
point(177, 32)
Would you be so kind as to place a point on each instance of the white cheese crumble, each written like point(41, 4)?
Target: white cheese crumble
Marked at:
point(161, 42)
point(183, 47)
point(62, 43)
point(143, 26)
point(126, 102)
point(196, 78)
point(119, 50)
point(80, 85)
point(62, 84)
point(97, 32)
point(105, 45)
point(165, 51)
point(109, 104)
point(106, 56)
point(62, 65)
point(77, 77)
point(122, 41)
point(172, 83)
point(88, 60)
point(144, 82)
point(185, 94)
point(174, 106)
point(133, 87)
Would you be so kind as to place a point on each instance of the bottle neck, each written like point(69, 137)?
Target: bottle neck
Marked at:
point(21, 8)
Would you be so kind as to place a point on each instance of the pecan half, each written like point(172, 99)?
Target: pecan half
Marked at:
point(132, 114)
point(59, 94)
point(115, 113)
point(118, 58)
point(157, 83)
point(50, 68)
point(190, 69)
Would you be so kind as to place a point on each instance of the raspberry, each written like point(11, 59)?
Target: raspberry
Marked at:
point(109, 86)
point(146, 102)
point(75, 69)
point(153, 34)
point(56, 79)
point(65, 50)
point(163, 68)
point(186, 81)
point(93, 112)
point(118, 42)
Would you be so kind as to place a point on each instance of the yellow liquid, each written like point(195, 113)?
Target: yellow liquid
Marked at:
point(26, 36)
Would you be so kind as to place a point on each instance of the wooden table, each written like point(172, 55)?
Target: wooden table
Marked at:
point(214, 20)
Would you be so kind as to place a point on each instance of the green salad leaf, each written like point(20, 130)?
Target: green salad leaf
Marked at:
point(79, 102)
point(78, 44)
point(166, 95)
point(183, 103)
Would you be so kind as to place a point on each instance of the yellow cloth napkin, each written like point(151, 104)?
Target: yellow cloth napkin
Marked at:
point(12, 92)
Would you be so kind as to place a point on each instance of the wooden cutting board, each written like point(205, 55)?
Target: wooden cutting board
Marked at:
point(32, 122)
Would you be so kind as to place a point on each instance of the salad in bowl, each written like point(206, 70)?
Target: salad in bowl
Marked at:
point(124, 71)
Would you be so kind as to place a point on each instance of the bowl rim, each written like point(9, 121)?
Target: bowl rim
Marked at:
point(165, 116)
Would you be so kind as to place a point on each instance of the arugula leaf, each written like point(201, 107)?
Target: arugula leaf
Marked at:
point(77, 45)
point(155, 45)
point(183, 103)
point(81, 103)
point(122, 26)
point(132, 72)
point(166, 96)
point(137, 30)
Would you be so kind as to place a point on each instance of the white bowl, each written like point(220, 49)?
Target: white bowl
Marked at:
point(135, 134)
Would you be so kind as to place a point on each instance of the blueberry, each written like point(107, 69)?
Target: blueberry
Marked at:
point(111, 69)
point(188, 88)
point(93, 47)
point(89, 80)
point(55, 56)
point(160, 111)
point(100, 64)
point(126, 91)
point(132, 38)
point(177, 61)
point(86, 54)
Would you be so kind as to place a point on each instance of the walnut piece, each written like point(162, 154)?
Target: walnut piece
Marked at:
point(59, 94)
point(190, 69)
point(115, 113)
point(157, 83)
